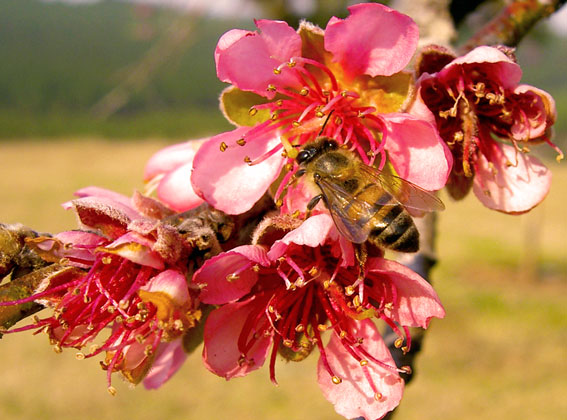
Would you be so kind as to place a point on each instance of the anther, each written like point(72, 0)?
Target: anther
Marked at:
point(405, 349)
point(319, 114)
point(277, 71)
point(223, 146)
point(389, 306)
point(356, 301)
point(304, 92)
point(241, 142)
point(106, 260)
point(398, 343)
point(80, 356)
point(295, 214)
point(313, 271)
point(256, 268)
point(111, 390)
point(378, 396)
point(291, 64)
point(279, 102)
point(363, 362)
point(296, 123)
point(252, 111)
point(232, 277)
point(336, 380)
point(406, 369)
point(271, 88)
point(247, 159)
point(349, 290)
point(343, 334)
point(288, 343)
point(57, 348)
point(299, 328)
point(322, 327)
point(87, 299)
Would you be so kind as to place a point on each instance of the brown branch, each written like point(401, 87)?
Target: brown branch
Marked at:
point(513, 23)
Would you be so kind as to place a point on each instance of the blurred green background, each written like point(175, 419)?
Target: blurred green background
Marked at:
point(88, 93)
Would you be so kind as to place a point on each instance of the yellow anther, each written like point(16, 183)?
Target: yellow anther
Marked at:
point(295, 214)
point(407, 370)
point(322, 327)
point(291, 64)
point(277, 71)
point(279, 102)
point(356, 301)
point(252, 111)
point(241, 142)
point(271, 88)
point(378, 396)
point(296, 123)
point(304, 92)
point(111, 390)
point(349, 290)
point(319, 114)
point(398, 343)
point(232, 277)
point(313, 271)
point(336, 380)
point(299, 328)
point(80, 356)
point(288, 343)
point(247, 159)
point(363, 362)
point(223, 146)
point(106, 260)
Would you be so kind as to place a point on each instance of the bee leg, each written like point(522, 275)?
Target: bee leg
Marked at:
point(312, 203)
point(361, 256)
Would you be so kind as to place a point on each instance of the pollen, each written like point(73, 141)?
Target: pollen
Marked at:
point(277, 71)
point(378, 396)
point(398, 343)
point(223, 146)
point(241, 142)
point(336, 380)
point(304, 92)
point(363, 362)
point(252, 111)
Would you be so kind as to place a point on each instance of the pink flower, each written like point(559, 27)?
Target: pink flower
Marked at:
point(133, 285)
point(169, 172)
point(475, 99)
point(285, 84)
point(284, 297)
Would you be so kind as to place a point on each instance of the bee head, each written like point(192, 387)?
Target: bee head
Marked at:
point(321, 145)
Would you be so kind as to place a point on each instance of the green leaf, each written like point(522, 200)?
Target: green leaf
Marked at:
point(238, 107)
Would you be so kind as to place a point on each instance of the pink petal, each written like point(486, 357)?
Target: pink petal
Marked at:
point(170, 158)
point(222, 329)
point(172, 283)
point(417, 301)
point(502, 70)
point(104, 193)
point(354, 396)
point(136, 248)
point(511, 189)
point(248, 59)
point(217, 279)
point(313, 232)
point(373, 40)
point(228, 183)
point(176, 191)
point(537, 113)
point(417, 152)
point(169, 358)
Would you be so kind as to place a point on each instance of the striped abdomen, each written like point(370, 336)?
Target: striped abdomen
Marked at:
point(390, 224)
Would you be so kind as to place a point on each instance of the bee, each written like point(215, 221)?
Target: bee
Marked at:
point(366, 204)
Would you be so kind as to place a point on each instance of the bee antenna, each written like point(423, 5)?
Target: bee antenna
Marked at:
point(325, 123)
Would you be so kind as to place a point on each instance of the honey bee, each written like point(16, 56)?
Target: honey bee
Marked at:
point(365, 203)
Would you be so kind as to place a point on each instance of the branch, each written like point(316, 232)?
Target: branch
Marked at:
point(513, 23)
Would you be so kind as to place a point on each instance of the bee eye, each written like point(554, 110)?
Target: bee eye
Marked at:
point(303, 156)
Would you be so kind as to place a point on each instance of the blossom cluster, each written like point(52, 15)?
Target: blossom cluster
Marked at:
point(300, 283)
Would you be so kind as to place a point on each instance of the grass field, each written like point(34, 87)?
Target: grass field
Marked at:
point(500, 353)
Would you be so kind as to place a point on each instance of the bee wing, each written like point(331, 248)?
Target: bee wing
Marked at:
point(350, 215)
point(415, 199)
